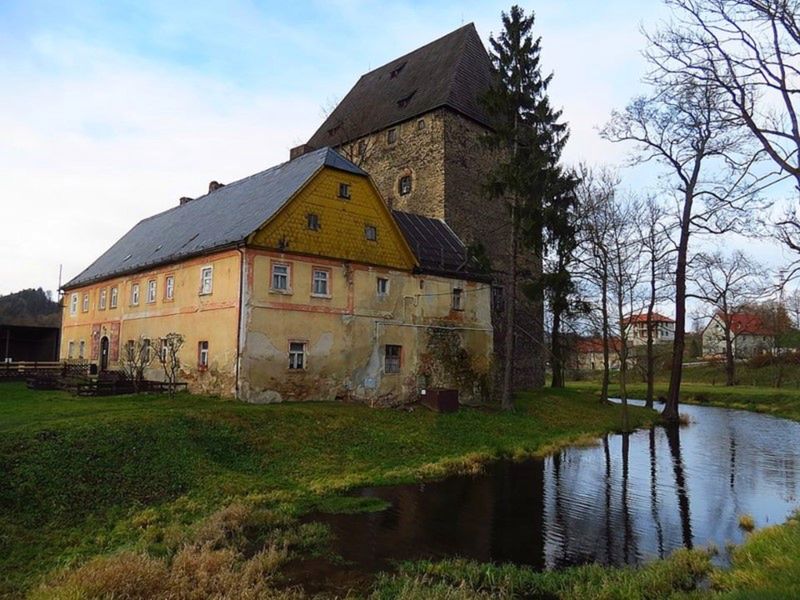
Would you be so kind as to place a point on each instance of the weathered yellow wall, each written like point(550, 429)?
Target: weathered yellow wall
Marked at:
point(342, 222)
point(213, 318)
point(346, 334)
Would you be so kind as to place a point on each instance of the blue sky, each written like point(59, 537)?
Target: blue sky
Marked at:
point(110, 111)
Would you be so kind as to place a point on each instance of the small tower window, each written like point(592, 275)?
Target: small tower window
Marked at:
point(344, 191)
point(391, 135)
point(458, 299)
point(405, 185)
point(313, 221)
point(371, 232)
point(421, 124)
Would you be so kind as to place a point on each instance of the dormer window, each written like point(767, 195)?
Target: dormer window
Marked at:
point(396, 71)
point(391, 136)
point(403, 102)
point(344, 191)
point(404, 185)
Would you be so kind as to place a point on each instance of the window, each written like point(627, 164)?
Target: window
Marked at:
point(73, 304)
point(135, 294)
point(101, 303)
point(297, 355)
point(164, 351)
point(371, 232)
point(151, 291)
point(421, 124)
point(498, 298)
point(458, 299)
point(85, 303)
point(81, 349)
point(405, 185)
point(202, 355)
point(144, 351)
point(391, 135)
point(169, 287)
point(319, 282)
point(130, 348)
point(391, 359)
point(113, 300)
point(280, 278)
point(71, 345)
point(206, 275)
point(383, 286)
point(312, 221)
point(344, 191)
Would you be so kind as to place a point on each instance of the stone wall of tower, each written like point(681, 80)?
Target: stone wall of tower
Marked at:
point(478, 219)
point(416, 152)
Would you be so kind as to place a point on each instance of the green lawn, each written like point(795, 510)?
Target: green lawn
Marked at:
point(84, 477)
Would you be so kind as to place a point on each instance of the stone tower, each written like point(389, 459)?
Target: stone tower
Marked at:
point(415, 124)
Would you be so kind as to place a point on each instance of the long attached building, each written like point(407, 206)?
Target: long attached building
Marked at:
point(296, 283)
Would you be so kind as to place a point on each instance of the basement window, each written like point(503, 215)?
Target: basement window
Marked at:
point(202, 355)
point(312, 221)
point(371, 233)
point(297, 356)
point(391, 135)
point(391, 358)
point(404, 185)
point(344, 191)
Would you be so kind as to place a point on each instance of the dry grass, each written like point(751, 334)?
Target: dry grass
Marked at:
point(746, 522)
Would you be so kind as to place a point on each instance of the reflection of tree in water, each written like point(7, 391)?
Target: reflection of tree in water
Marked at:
point(674, 440)
point(626, 509)
point(654, 493)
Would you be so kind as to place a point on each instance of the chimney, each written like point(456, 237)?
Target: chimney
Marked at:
point(300, 150)
point(184, 200)
point(214, 186)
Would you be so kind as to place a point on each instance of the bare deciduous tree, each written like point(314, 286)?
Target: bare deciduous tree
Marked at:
point(169, 357)
point(139, 354)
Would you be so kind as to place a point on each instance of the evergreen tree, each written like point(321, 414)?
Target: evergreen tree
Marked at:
point(529, 139)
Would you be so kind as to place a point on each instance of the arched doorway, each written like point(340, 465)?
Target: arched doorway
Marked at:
point(103, 353)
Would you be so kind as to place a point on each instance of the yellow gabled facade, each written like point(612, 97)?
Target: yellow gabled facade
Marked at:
point(343, 216)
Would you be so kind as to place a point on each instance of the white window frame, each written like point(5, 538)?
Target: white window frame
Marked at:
point(73, 304)
point(297, 357)
point(113, 297)
point(206, 280)
point(152, 290)
point(326, 279)
point(344, 191)
point(382, 282)
point(102, 299)
point(287, 277)
point(70, 349)
point(85, 302)
point(202, 355)
point(169, 287)
point(135, 294)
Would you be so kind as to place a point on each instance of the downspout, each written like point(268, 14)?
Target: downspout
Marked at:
point(240, 249)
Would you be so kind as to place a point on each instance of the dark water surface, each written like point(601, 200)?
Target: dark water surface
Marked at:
point(629, 499)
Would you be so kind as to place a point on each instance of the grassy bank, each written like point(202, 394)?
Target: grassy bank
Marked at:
point(780, 402)
point(85, 478)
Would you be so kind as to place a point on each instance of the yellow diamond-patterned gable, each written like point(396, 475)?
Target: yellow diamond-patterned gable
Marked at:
point(320, 222)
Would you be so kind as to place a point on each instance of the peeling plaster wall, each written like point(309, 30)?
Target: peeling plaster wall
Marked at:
point(346, 334)
point(210, 317)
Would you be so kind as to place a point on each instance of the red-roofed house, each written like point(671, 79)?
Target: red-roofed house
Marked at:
point(749, 333)
point(589, 353)
point(663, 329)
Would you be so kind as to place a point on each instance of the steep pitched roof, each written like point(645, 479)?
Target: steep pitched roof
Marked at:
point(438, 249)
point(452, 71)
point(642, 318)
point(742, 323)
point(221, 218)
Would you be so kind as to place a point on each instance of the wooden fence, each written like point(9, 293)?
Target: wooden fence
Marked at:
point(22, 370)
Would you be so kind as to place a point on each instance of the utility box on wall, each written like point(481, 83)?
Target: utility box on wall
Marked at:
point(440, 399)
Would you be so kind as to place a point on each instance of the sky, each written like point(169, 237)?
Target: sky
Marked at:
point(111, 111)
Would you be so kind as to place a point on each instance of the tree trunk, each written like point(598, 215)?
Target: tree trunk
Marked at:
point(650, 359)
point(606, 351)
point(507, 401)
point(558, 361)
point(730, 359)
point(623, 362)
point(670, 412)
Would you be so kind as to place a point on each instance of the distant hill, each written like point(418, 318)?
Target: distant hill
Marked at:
point(29, 307)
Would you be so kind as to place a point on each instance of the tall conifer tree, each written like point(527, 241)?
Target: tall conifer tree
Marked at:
point(529, 138)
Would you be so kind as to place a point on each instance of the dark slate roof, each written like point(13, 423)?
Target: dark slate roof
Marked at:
point(452, 71)
point(437, 248)
point(221, 218)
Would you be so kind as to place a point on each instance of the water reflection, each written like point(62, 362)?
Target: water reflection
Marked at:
point(632, 498)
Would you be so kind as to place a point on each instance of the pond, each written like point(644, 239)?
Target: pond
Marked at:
point(627, 500)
